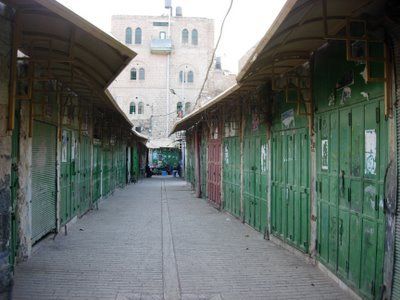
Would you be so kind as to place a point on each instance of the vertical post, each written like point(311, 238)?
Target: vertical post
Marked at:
point(13, 71)
point(313, 175)
point(197, 163)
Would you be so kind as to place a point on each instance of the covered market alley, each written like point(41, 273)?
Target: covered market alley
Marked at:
point(166, 244)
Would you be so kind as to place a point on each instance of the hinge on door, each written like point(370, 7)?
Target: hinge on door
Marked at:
point(349, 194)
point(347, 266)
point(320, 124)
point(350, 118)
point(320, 187)
point(377, 115)
point(376, 202)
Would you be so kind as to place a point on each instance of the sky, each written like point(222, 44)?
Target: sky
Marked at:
point(246, 24)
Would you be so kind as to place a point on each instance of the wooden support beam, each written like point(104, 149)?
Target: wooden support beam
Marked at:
point(12, 91)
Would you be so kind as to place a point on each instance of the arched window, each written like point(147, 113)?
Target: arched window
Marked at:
point(128, 35)
point(140, 109)
point(138, 36)
point(163, 35)
point(182, 76)
point(132, 108)
point(133, 74)
point(179, 110)
point(188, 106)
point(141, 74)
point(185, 36)
point(190, 76)
point(195, 37)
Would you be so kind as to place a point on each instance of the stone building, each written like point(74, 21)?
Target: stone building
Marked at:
point(164, 81)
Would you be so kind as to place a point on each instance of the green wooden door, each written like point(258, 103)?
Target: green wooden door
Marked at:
point(352, 157)
point(106, 171)
point(135, 163)
point(203, 166)
point(96, 172)
point(14, 185)
point(84, 174)
point(290, 194)
point(69, 180)
point(231, 175)
point(255, 171)
point(44, 149)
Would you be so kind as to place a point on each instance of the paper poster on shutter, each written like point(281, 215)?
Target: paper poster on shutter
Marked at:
point(64, 149)
point(370, 152)
point(264, 158)
point(226, 154)
point(324, 154)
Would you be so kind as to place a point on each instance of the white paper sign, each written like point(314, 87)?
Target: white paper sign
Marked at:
point(324, 154)
point(370, 152)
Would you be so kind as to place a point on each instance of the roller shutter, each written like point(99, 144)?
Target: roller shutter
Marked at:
point(43, 179)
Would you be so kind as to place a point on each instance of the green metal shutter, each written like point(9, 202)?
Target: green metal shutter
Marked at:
point(396, 276)
point(43, 179)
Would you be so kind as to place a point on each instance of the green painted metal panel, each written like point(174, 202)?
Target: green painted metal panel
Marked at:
point(290, 183)
point(84, 173)
point(69, 181)
point(44, 149)
point(203, 165)
point(106, 171)
point(190, 177)
point(255, 171)
point(396, 273)
point(352, 149)
point(96, 172)
point(135, 164)
point(231, 175)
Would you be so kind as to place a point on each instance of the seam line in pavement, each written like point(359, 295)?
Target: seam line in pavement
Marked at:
point(171, 284)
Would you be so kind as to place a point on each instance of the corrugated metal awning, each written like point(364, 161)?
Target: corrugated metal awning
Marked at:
point(301, 27)
point(70, 49)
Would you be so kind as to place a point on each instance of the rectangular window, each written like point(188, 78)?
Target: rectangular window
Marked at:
point(164, 24)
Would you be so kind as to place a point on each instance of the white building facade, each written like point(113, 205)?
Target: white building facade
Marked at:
point(164, 80)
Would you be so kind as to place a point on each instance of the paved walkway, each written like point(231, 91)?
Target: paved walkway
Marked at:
point(154, 240)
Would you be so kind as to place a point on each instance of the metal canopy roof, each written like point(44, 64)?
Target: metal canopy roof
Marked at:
point(301, 27)
point(196, 115)
point(77, 53)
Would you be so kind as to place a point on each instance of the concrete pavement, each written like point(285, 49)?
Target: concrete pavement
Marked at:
point(154, 240)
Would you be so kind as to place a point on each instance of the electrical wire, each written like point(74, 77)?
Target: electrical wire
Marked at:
point(212, 58)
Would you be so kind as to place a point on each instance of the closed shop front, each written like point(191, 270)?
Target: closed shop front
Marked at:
point(231, 168)
point(203, 162)
point(214, 164)
point(69, 176)
point(290, 174)
point(190, 160)
point(96, 170)
point(44, 149)
point(352, 156)
point(135, 168)
point(84, 174)
point(255, 171)
point(396, 275)
point(106, 170)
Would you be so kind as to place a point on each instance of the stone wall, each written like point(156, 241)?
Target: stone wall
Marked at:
point(5, 149)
